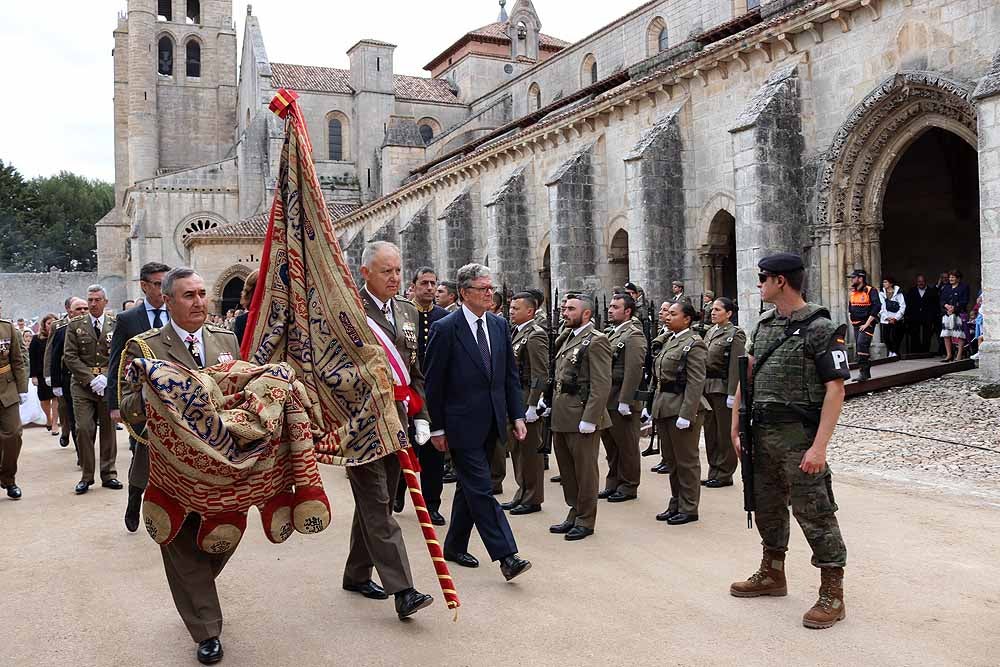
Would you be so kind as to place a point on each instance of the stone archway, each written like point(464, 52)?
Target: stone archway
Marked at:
point(618, 264)
point(718, 255)
point(847, 225)
point(228, 278)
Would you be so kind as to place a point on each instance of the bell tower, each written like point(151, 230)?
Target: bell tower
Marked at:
point(523, 27)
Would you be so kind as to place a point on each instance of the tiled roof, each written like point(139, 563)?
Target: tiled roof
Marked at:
point(332, 80)
point(499, 31)
point(255, 227)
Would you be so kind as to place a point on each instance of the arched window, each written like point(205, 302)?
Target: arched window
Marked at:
point(193, 59)
point(193, 11)
point(165, 56)
point(335, 141)
point(534, 97)
point(657, 36)
point(163, 11)
point(426, 133)
point(588, 73)
point(429, 128)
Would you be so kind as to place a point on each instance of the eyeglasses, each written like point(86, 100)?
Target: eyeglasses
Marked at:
point(762, 277)
point(485, 290)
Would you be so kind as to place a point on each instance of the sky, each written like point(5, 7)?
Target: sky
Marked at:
point(58, 109)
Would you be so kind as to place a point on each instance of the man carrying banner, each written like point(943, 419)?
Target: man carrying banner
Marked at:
point(376, 539)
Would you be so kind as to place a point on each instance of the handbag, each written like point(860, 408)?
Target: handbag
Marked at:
point(892, 306)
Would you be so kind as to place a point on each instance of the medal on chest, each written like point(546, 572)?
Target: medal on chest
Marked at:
point(4, 345)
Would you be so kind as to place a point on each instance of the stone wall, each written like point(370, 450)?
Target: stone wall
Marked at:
point(988, 101)
point(508, 219)
point(415, 243)
point(459, 234)
point(571, 208)
point(30, 295)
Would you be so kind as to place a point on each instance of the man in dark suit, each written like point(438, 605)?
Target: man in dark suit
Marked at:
point(56, 375)
point(472, 389)
point(923, 315)
point(149, 313)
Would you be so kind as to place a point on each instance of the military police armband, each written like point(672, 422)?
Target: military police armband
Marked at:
point(832, 364)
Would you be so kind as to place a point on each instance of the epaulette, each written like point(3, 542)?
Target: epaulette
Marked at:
point(768, 315)
point(6, 321)
point(404, 300)
point(80, 317)
point(60, 324)
point(149, 333)
point(537, 328)
point(214, 328)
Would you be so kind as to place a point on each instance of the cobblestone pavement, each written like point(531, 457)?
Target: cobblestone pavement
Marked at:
point(943, 409)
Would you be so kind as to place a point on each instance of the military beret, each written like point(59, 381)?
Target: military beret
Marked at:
point(781, 263)
point(632, 287)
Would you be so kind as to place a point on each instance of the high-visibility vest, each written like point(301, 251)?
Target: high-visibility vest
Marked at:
point(861, 305)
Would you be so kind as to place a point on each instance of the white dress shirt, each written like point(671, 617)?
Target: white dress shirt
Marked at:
point(197, 334)
point(97, 322)
point(164, 316)
point(381, 305)
point(471, 318)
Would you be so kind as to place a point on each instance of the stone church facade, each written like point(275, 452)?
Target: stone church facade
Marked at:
point(682, 141)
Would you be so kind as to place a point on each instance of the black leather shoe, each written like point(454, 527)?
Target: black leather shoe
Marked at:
point(556, 478)
point(521, 510)
point(705, 481)
point(436, 518)
point(369, 589)
point(513, 565)
point(132, 509)
point(209, 651)
point(411, 601)
point(82, 487)
point(660, 469)
point(619, 497)
point(449, 477)
point(506, 507)
point(578, 533)
point(665, 515)
point(603, 495)
point(464, 559)
point(14, 492)
point(398, 504)
point(64, 442)
point(681, 518)
point(561, 528)
point(717, 483)
point(113, 484)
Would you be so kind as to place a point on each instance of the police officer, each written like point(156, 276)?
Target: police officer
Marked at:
point(531, 353)
point(726, 344)
point(679, 411)
point(583, 383)
point(13, 393)
point(864, 312)
point(621, 441)
point(799, 363)
point(86, 354)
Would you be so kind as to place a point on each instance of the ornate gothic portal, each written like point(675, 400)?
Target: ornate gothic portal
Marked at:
point(718, 256)
point(847, 229)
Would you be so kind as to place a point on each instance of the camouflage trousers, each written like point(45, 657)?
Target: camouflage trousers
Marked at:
point(778, 480)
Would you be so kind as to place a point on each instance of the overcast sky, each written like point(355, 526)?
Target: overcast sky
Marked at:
point(57, 114)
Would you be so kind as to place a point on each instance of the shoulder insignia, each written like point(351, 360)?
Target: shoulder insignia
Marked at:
point(537, 328)
point(730, 339)
point(148, 334)
point(60, 324)
point(217, 329)
point(80, 318)
point(403, 299)
point(686, 349)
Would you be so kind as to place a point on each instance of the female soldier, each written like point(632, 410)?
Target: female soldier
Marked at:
point(679, 411)
point(726, 343)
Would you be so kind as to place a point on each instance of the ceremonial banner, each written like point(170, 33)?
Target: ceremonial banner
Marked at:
point(306, 311)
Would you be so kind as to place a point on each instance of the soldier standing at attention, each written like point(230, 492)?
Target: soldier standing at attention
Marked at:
point(726, 344)
point(621, 441)
point(13, 393)
point(86, 354)
point(446, 295)
point(583, 383)
point(798, 362)
point(679, 411)
point(531, 353)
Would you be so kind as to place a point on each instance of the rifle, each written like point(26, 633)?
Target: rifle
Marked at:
point(746, 439)
point(550, 386)
point(647, 392)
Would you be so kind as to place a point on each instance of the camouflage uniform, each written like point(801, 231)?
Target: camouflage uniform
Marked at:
point(795, 374)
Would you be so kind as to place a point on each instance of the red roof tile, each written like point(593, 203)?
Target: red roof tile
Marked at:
point(332, 80)
point(255, 227)
point(497, 33)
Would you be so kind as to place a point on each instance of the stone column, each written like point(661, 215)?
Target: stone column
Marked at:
point(767, 157)
point(415, 243)
point(571, 209)
point(987, 98)
point(458, 234)
point(507, 224)
point(352, 254)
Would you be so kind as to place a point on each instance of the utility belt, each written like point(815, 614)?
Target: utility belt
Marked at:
point(786, 413)
point(581, 389)
point(5, 369)
point(676, 387)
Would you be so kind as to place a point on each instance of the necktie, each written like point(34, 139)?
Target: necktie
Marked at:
point(484, 347)
point(97, 328)
point(193, 349)
point(157, 322)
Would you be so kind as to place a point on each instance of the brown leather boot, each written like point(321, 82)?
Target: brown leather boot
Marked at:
point(829, 608)
point(768, 580)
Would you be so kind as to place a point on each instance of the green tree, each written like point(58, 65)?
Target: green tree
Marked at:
point(49, 221)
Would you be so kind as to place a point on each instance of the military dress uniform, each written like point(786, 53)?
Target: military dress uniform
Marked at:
point(61, 379)
point(191, 572)
point(13, 383)
point(621, 440)
point(85, 355)
point(583, 384)
point(531, 353)
point(680, 375)
point(726, 344)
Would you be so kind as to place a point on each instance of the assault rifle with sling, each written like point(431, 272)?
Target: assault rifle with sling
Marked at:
point(546, 447)
point(647, 391)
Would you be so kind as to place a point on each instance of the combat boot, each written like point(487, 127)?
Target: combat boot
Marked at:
point(768, 580)
point(829, 608)
point(866, 370)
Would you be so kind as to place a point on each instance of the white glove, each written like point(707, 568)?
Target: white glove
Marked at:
point(730, 401)
point(99, 384)
point(48, 382)
point(23, 398)
point(587, 427)
point(531, 415)
point(683, 423)
point(423, 431)
point(57, 392)
point(541, 404)
point(645, 416)
point(624, 410)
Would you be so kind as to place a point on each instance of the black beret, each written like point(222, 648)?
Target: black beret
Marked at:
point(632, 286)
point(781, 263)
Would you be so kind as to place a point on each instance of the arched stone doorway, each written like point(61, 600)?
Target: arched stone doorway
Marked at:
point(231, 295)
point(545, 275)
point(618, 258)
point(718, 256)
point(930, 211)
point(847, 230)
